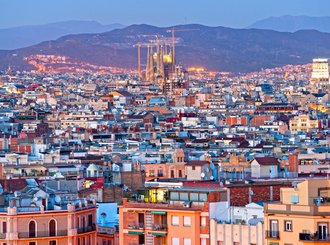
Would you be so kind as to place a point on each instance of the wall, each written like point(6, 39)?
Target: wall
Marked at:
point(240, 195)
point(227, 234)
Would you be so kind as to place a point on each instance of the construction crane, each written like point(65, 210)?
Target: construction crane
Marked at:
point(139, 45)
point(173, 31)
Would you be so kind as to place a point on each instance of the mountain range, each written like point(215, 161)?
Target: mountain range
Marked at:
point(23, 36)
point(215, 48)
point(290, 23)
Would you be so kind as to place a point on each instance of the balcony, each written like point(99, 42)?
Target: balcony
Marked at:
point(85, 229)
point(273, 234)
point(314, 237)
point(59, 233)
point(160, 227)
point(139, 226)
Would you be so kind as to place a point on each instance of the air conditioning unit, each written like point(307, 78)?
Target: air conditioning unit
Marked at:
point(187, 204)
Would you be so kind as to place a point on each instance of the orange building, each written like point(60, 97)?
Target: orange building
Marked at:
point(301, 217)
point(70, 224)
point(232, 120)
point(180, 216)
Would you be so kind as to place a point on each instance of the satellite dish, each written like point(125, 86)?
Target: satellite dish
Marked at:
point(57, 199)
point(202, 175)
point(35, 199)
point(211, 177)
point(207, 170)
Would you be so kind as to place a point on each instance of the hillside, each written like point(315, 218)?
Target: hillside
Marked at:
point(290, 23)
point(216, 48)
point(24, 36)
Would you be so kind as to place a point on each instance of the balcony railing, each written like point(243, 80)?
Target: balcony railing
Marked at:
point(2, 235)
point(313, 237)
point(42, 234)
point(273, 234)
point(161, 227)
point(139, 226)
point(85, 229)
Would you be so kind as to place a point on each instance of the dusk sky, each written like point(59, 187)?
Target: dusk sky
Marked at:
point(231, 13)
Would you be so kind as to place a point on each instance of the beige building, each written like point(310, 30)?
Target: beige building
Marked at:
point(198, 170)
point(70, 225)
point(301, 217)
point(229, 234)
point(302, 123)
point(320, 73)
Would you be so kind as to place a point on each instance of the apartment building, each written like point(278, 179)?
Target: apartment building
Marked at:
point(72, 224)
point(301, 217)
point(181, 217)
point(302, 123)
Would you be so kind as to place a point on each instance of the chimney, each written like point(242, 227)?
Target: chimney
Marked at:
point(293, 162)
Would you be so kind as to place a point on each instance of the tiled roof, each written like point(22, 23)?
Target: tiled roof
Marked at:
point(196, 163)
point(11, 185)
point(267, 160)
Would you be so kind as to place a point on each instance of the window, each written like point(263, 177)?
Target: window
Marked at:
point(90, 220)
point(193, 167)
point(203, 221)
point(84, 226)
point(184, 196)
point(273, 228)
point(78, 225)
point(186, 221)
point(323, 231)
point(203, 241)
point(174, 196)
point(32, 229)
point(32, 243)
point(180, 173)
point(151, 173)
point(4, 227)
point(52, 242)
point(172, 173)
point(160, 173)
point(203, 197)
point(288, 225)
point(52, 228)
point(193, 196)
point(175, 241)
point(175, 220)
point(186, 241)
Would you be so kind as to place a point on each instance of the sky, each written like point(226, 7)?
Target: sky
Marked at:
point(229, 13)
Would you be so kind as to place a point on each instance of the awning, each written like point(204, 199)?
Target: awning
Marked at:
point(158, 234)
point(158, 212)
point(135, 232)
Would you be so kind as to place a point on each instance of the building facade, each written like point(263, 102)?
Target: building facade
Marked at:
point(301, 217)
point(71, 224)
